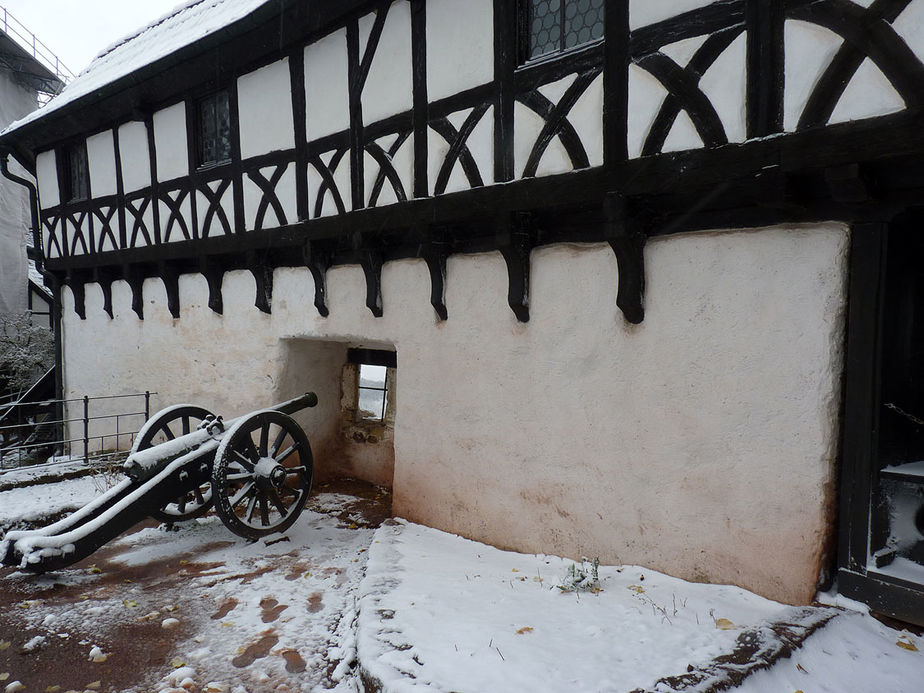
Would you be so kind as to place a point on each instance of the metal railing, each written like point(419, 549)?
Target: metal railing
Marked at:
point(43, 437)
point(15, 29)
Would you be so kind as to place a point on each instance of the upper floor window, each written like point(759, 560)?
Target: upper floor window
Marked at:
point(214, 123)
point(555, 26)
point(76, 183)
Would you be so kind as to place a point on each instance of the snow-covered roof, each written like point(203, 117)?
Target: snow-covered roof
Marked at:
point(187, 23)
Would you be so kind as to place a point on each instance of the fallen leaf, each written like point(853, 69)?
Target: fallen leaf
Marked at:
point(906, 643)
point(724, 624)
point(93, 569)
point(4, 644)
point(353, 525)
point(129, 603)
point(638, 589)
point(514, 570)
point(176, 663)
point(524, 629)
point(226, 624)
point(801, 668)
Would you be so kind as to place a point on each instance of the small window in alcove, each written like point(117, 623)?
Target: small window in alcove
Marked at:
point(374, 383)
point(373, 392)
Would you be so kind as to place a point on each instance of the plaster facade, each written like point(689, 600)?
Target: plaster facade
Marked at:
point(15, 102)
point(575, 433)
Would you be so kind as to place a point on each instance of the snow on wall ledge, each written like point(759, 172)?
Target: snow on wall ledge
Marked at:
point(700, 443)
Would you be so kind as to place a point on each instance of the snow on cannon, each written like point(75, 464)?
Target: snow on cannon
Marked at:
point(256, 470)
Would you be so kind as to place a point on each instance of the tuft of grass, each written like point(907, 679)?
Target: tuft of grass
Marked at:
point(582, 578)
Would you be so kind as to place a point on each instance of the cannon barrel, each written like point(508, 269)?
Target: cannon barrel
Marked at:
point(144, 464)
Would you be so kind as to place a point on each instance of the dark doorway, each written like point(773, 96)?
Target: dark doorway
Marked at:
point(881, 548)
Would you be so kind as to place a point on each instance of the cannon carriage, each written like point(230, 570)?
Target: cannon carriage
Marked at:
point(256, 471)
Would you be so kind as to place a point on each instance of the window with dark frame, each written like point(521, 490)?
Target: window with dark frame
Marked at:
point(373, 383)
point(76, 173)
point(552, 27)
point(214, 135)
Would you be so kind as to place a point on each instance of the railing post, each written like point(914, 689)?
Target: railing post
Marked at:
point(86, 428)
point(147, 405)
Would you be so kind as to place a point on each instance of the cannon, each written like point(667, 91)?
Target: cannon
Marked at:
point(256, 471)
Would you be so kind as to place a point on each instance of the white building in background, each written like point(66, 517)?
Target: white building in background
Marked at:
point(29, 74)
point(609, 253)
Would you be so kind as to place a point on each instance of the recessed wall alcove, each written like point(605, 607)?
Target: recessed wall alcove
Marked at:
point(347, 441)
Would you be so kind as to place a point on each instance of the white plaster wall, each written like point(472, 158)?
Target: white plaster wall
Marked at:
point(460, 46)
point(46, 170)
point(725, 83)
point(388, 89)
point(645, 12)
point(170, 142)
point(101, 162)
point(868, 94)
point(701, 442)
point(135, 156)
point(645, 98)
point(809, 50)
point(264, 99)
point(327, 79)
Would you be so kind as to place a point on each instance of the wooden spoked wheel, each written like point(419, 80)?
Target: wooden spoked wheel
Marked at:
point(262, 474)
point(168, 424)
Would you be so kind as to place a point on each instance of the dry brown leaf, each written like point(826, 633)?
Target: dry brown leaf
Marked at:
point(525, 629)
point(724, 624)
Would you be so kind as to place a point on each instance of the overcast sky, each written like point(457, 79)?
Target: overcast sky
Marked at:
point(76, 30)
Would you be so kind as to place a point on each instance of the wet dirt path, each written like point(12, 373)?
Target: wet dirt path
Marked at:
point(156, 608)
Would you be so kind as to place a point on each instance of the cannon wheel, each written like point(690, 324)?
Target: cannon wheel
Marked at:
point(262, 474)
point(166, 425)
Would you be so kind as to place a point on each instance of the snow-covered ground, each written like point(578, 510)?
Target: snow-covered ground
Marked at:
point(29, 504)
point(336, 603)
point(439, 612)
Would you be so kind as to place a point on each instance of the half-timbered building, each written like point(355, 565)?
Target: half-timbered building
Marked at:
point(643, 276)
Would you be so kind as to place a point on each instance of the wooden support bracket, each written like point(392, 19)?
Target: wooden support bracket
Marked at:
point(317, 259)
point(627, 240)
point(104, 278)
point(371, 262)
point(516, 237)
point(135, 280)
point(77, 286)
point(434, 251)
point(263, 276)
point(214, 274)
point(171, 280)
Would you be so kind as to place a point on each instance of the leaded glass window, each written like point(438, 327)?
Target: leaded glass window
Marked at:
point(77, 175)
point(214, 129)
point(553, 26)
